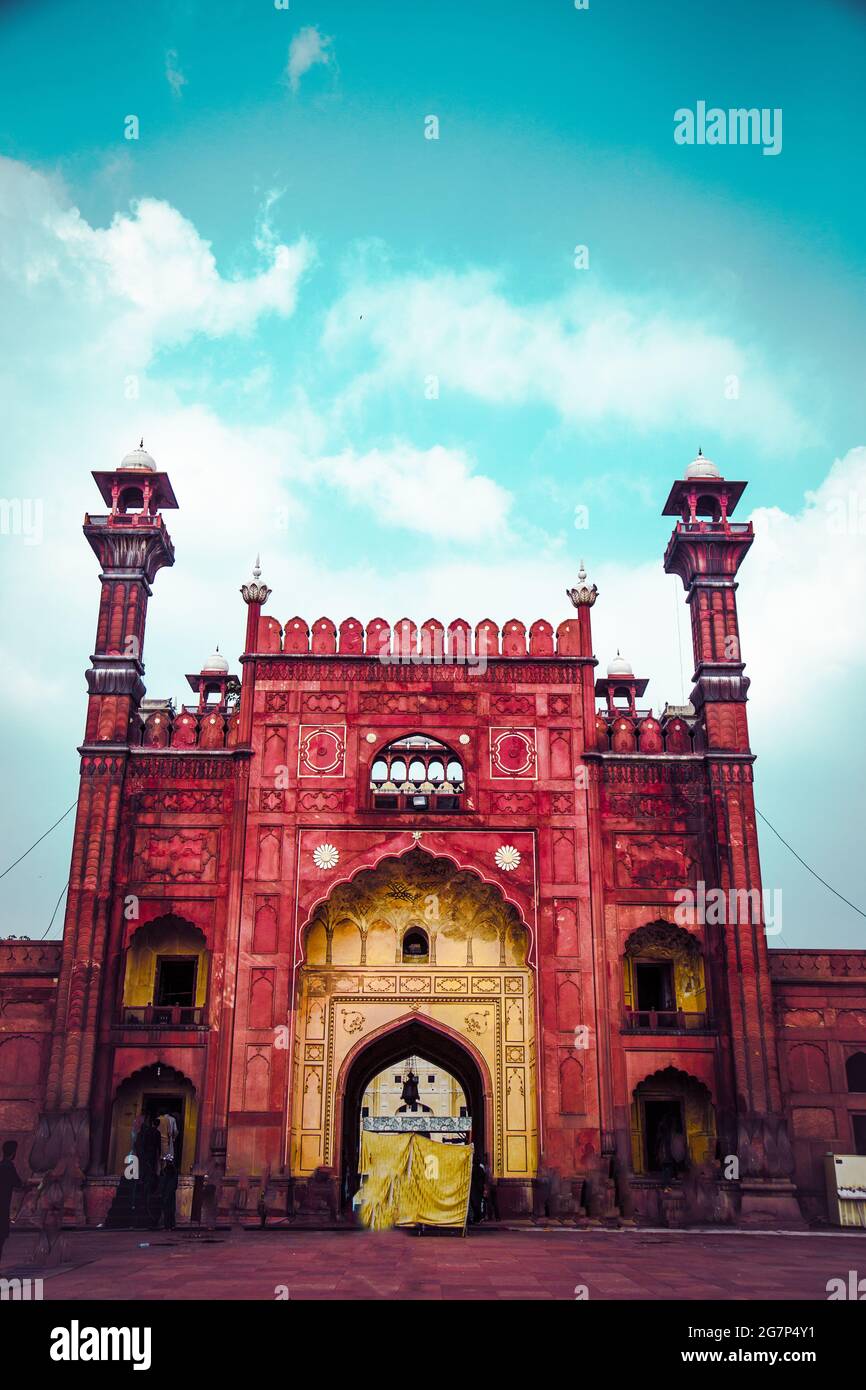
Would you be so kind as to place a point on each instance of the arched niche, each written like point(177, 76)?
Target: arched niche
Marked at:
point(166, 967)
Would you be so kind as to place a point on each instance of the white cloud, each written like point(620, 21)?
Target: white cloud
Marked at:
point(307, 49)
point(591, 356)
point(147, 280)
point(431, 491)
point(803, 602)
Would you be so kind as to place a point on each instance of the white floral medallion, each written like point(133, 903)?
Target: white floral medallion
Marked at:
point(507, 857)
point(326, 856)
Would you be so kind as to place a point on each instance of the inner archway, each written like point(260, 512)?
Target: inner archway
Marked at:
point(390, 1050)
point(415, 940)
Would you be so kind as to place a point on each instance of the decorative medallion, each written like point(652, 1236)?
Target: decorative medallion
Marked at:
point(321, 750)
point(507, 857)
point(326, 856)
point(512, 752)
point(476, 1023)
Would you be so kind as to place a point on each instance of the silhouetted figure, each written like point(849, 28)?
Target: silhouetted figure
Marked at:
point(9, 1183)
point(411, 1097)
point(168, 1194)
point(476, 1190)
point(490, 1203)
point(148, 1150)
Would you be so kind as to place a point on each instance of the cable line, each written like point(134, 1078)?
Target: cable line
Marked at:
point(811, 870)
point(41, 838)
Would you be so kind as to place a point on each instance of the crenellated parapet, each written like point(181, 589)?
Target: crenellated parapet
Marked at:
point(432, 641)
point(187, 728)
point(641, 732)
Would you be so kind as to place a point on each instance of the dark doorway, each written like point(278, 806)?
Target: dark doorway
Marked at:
point(855, 1071)
point(662, 1120)
point(156, 1105)
point(858, 1129)
point(654, 981)
point(414, 1039)
point(175, 981)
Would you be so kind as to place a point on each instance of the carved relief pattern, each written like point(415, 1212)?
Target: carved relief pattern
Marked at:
point(645, 862)
point(176, 856)
point(322, 750)
point(512, 752)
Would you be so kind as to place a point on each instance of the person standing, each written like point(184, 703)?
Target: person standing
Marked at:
point(9, 1183)
point(168, 1194)
point(167, 1135)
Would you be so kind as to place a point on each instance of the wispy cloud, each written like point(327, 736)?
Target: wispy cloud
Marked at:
point(307, 49)
point(591, 356)
point(173, 74)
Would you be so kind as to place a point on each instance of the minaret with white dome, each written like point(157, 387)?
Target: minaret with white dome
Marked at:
point(706, 551)
point(211, 683)
point(132, 544)
point(621, 688)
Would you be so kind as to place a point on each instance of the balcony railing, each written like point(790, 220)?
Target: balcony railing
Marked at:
point(665, 1021)
point(162, 1016)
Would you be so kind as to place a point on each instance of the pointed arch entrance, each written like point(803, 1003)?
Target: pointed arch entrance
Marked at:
point(467, 996)
point(412, 1036)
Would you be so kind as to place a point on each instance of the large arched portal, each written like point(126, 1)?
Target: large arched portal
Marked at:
point(413, 1038)
point(416, 955)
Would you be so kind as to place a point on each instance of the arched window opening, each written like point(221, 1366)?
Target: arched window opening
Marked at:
point(709, 506)
point(416, 773)
point(131, 500)
point(855, 1071)
point(416, 946)
point(165, 979)
point(663, 981)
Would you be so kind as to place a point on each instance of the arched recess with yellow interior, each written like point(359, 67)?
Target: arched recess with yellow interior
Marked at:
point(167, 971)
point(151, 1090)
point(667, 1102)
point(416, 935)
point(663, 975)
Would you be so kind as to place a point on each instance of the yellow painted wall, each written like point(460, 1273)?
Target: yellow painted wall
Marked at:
point(476, 982)
point(159, 939)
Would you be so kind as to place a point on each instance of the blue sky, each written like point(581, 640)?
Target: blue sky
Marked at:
point(266, 281)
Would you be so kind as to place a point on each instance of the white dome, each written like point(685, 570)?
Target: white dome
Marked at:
point(702, 468)
point(620, 667)
point(217, 662)
point(138, 460)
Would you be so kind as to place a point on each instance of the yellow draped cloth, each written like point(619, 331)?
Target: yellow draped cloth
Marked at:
point(413, 1181)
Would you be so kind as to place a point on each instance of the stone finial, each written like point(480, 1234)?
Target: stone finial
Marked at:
point(256, 592)
point(583, 596)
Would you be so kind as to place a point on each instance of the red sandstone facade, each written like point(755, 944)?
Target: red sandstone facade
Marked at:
point(218, 834)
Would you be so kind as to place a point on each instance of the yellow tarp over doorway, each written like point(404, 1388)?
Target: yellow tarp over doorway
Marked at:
point(413, 1181)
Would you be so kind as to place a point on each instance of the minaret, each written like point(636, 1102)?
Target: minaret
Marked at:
point(706, 551)
point(131, 544)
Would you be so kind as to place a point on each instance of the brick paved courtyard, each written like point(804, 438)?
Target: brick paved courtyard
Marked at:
point(492, 1264)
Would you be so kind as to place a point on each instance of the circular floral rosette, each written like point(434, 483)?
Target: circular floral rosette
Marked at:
point(507, 858)
point(326, 856)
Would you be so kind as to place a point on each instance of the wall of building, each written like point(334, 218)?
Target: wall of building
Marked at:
point(820, 1004)
point(29, 973)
